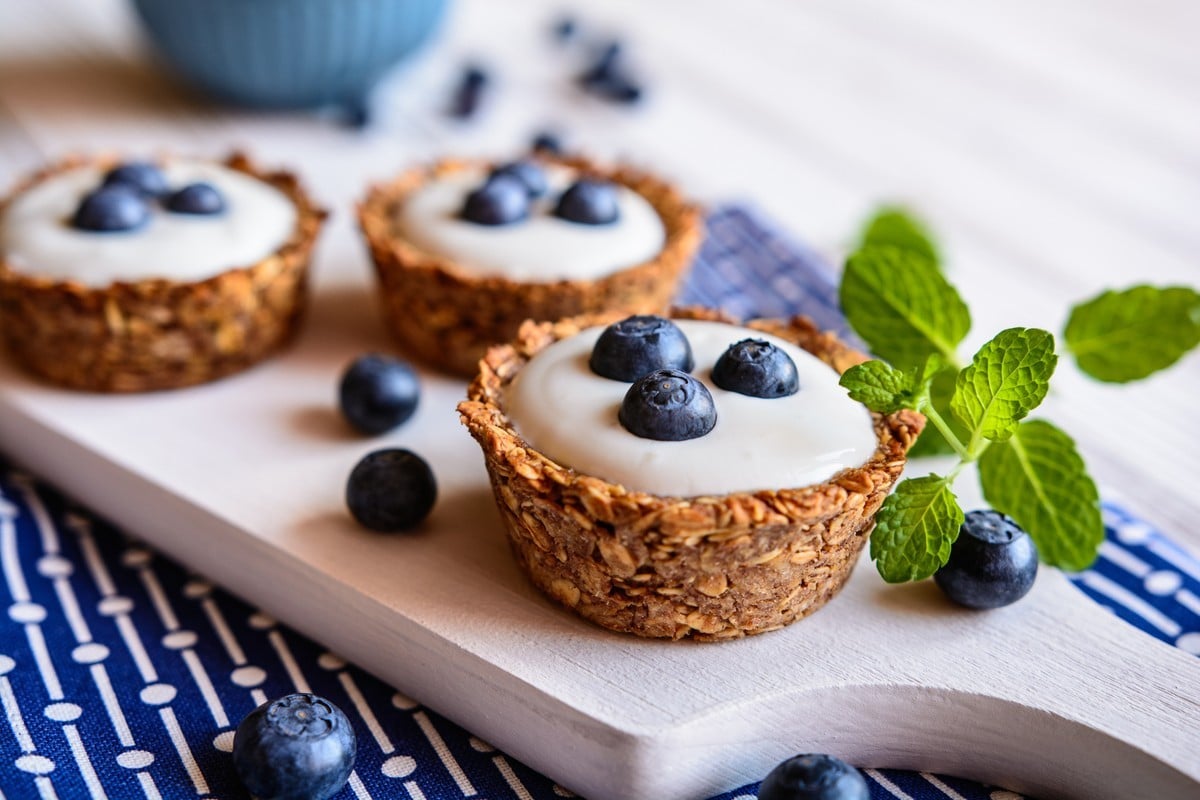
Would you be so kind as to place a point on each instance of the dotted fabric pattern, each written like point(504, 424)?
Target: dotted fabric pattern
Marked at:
point(122, 675)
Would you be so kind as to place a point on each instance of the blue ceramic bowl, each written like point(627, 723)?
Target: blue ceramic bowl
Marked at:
point(288, 53)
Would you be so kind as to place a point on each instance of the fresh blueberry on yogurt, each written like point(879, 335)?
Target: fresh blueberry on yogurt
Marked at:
point(201, 199)
point(111, 209)
point(143, 176)
point(589, 202)
point(756, 368)
point(528, 173)
point(992, 563)
point(668, 405)
point(636, 345)
point(814, 776)
point(502, 200)
point(391, 490)
point(299, 747)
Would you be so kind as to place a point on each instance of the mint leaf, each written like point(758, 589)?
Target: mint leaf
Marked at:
point(900, 304)
point(879, 387)
point(1125, 336)
point(895, 227)
point(1038, 479)
point(1007, 378)
point(914, 529)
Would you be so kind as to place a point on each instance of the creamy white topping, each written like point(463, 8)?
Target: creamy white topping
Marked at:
point(569, 413)
point(539, 249)
point(36, 234)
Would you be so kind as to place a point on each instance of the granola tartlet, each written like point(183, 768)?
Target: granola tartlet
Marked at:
point(155, 331)
point(708, 567)
point(448, 314)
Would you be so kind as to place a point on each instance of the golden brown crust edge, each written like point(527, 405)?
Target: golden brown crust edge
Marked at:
point(448, 318)
point(160, 334)
point(705, 568)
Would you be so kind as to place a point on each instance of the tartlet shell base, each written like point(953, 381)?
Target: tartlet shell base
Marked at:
point(448, 316)
point(159, 333)
point(704, 568)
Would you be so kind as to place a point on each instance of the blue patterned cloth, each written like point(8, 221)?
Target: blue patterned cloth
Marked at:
point(123, 676)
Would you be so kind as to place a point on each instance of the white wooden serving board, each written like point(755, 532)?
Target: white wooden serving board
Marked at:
point(243, 480)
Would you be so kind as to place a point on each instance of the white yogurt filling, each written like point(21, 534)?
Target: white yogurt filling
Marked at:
point(569, 413)
point(538, 249)
point(37, 238)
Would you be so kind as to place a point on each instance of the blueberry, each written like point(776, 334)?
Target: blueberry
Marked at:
point(469, 92)
point(814, 776)
point(668, 405)
point(565, 28)
point(391, 490)
point(589, 202)
point(528, 173)
point(628, 349)
point(547, 142)
point(378, 393)
point(112, 208)
point(143, 176)
point(299, 747)
point(607, 78)
point(196, 198)
point(756, 368)
point(502, 200)
point(992, 563)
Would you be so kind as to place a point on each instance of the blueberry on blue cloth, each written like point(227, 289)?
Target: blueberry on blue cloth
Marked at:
point(668, 405)
point(757, 368)
point(111, 209)
point(200, 199)
point(992, 563)
point(627, 350)
point(391, 490)
point(299, 747)
point(814, 776)
point(502, 200)
point(378, 393)
point(589, 202)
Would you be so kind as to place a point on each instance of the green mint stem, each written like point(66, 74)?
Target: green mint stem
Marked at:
point(933, 416)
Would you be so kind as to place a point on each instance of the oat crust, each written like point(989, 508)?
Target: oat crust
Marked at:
point(158, 333)
point(705, 568)
point(448, 317)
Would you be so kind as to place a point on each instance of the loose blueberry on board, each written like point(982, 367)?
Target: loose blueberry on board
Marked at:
point(111, 209)
point(627, 350)
point(668, 405)
point(757, 368)
point(378, 393)
point(502, 200)
point(608, 79)
point(547, 142)
point(299, 747)
point(469, 93)
point(391, 490)
point(814, 776)
point(565, 28)
point(992, 563)
point(201, 199)
point(528, 173)
point(143, 176)
point(589, 202)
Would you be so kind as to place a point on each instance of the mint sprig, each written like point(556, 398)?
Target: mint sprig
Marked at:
point(896, 298)
point(1129, 335)
point(915, 528)
point(1038, 478)
point(892, 226)
point(902, 306)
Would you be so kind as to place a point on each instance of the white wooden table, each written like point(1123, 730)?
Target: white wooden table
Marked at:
point(1055, 148)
